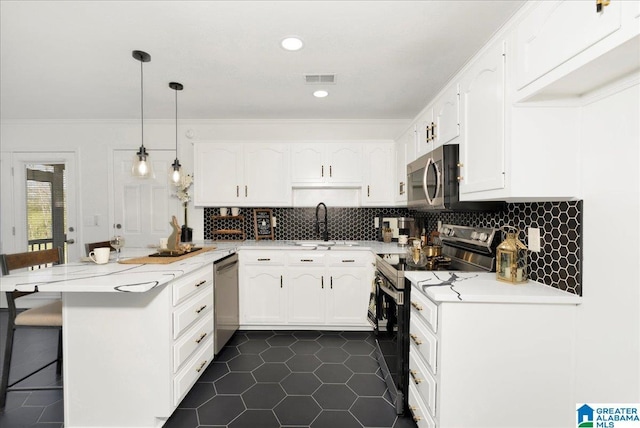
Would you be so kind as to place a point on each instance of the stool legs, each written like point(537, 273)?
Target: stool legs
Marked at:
point(6, 365)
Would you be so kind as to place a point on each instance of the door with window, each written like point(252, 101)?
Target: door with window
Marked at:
point(142, 207)
point(44, 202)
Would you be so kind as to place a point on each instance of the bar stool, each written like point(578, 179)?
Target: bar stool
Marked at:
point(46, 316)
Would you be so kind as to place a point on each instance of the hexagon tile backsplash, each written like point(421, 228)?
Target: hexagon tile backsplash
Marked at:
point(558, 264)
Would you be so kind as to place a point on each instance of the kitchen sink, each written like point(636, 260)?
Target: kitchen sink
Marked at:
point(325, 244)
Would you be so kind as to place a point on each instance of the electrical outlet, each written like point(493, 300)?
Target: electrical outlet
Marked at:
point(534, 239)
point(376, 222)
point(274, 222)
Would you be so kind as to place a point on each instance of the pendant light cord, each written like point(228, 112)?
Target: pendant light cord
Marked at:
point(142, 101)
point(176, 91)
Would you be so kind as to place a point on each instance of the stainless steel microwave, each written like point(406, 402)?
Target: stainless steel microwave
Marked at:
point(432, 184)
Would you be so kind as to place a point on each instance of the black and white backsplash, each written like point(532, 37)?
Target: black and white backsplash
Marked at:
point(558, 264)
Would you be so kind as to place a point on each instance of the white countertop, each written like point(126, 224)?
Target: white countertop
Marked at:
point(483, 287)
point(86, 276)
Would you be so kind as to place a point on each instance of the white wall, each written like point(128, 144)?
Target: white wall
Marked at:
point(94, 142)
point(608, 336)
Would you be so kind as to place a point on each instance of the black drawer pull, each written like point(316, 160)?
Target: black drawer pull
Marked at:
point(264, 260)
point(348, 261)
point(202, 308)
point(306, 260)
point(202, 336)
point(204, 281)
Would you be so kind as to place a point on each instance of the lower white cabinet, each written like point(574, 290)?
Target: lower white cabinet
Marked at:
point(144, 350)
point(476, 365)
point(305, 289)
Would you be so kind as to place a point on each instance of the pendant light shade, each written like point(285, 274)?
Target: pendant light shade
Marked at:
point(175, 172)
point(141, 164)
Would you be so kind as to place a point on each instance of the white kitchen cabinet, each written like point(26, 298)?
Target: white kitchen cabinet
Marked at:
point(405, 153)
point(556, 31)
point(423, 138)
point(326, 164)
point(305, 289)
point(446, 113)
point(482, 88)
point(378, 185)
point(241, 174)
point(465, 352)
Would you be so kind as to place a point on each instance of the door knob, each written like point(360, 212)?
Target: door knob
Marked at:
point(70, 241)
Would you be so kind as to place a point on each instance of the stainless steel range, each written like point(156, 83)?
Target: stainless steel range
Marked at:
point(463, 249)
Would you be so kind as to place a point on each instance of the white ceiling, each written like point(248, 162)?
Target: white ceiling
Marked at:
point(72, 59)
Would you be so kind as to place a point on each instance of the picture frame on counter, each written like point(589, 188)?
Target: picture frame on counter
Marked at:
point(262, 223)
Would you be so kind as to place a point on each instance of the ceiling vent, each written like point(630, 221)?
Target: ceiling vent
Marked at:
point(320, 79)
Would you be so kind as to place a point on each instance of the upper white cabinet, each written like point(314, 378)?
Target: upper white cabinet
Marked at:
point(446, 112)
point(482, 89)
point(241, 174)
point(379, 173)
point(567, 48)
point(405, 153)
point(423, 138)
point(326, 164)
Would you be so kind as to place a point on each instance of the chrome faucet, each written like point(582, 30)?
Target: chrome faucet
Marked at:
point(325, 232)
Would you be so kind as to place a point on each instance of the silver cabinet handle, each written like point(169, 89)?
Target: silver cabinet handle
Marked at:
point(237, 191)
point(402, 187)
point(246, 192)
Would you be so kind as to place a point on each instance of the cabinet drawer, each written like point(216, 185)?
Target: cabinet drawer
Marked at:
point(193, 309)
point(424, 340)
point(420, 377)
point(195, 338)
point(425, 308)
point(349, 258)
point(190, 374)
point(305, 258)
point(189, 284)
point(419, 410)
point(262, 257)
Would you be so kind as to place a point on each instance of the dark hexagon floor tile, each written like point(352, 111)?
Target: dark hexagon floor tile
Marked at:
point(405, 421)
point(373, 412)
point(356, 335)
point(199, 394)
point(259, 334)
point(182, 418)
point(256, 419)
point(20, 417)
point(362, 364)
point(220, 410)
point(332, 355)
point(331, 340)
point(358, 348)
point(44, 398)
point(278, 354)
point(227, 353)
point(297, 410)
point(53, 412)
point(303, 363)
point(281, 340)
point(237, 339)
point(300, 383)
point(254, 346)
point(271, 372)
point(334, 397)
point(333, 373)
point(307, 334)
point(214, 372)
point(367, 385)
point(305, 347)
point(245, 363)
point(263, 396)
point(234, 383)
point(335, 419)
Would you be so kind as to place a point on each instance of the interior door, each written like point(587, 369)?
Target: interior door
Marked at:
point(142, 208)
point(44, 202)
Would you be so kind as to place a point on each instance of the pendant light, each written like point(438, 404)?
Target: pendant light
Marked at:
point(141, 164)
point(175, 173)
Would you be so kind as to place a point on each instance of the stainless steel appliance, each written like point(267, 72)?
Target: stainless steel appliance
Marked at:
point(463, 249)
point(433, 183)
point(225, 300)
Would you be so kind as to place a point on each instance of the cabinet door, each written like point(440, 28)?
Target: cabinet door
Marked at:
point(307, 163)
point(446, 112)
point(556, 31)
point(378, 186)
point(218, 168)
point(402, 145)
point(266, 174)
point(348, 296)
point(483, 104)
point(344, 162)
point(306, 290)
point(262, 295)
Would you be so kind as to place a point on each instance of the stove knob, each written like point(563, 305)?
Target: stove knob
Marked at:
point(446, 231)
point(474, 235)
point(483, 236)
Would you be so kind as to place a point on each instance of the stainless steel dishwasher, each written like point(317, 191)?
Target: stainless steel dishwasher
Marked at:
point(225, 300)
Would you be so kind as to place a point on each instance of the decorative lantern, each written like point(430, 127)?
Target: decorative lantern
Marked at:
point(511, 264)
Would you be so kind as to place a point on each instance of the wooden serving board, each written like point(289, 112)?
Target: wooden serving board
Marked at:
point(164, 260)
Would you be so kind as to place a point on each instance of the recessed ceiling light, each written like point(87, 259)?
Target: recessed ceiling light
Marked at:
point(320, 94)
point(292, 43)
